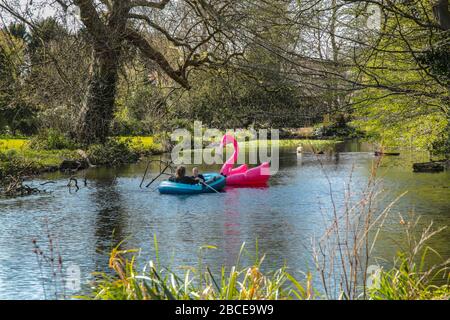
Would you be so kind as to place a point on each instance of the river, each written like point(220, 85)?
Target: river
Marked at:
point(283, 218)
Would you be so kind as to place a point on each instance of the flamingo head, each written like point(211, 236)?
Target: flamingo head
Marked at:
point(227, 138)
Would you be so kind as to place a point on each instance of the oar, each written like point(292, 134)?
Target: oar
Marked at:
point(160, 174)
point(145, 173)
point(209, 186)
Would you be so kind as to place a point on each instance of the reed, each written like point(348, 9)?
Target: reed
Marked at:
point(344, 254)
point(197, 283)
point(410, 278)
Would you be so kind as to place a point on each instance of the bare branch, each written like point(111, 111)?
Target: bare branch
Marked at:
point(149, 4)
point(91, 19)
point(144, 46)
point(176, 41)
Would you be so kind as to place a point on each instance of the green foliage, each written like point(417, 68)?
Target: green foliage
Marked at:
point(337, 131)
point(17, 115)
point(143, 145)
point(26, 161)
point(112, 152)
point(405, 103)
point(11, 164)
point(396, 121)
point(52, 139)
point(437, 57)
point(139, 110)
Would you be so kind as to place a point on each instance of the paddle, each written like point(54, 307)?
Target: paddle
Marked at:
point(208, 186)
point(168, 165)
point(145, 173)
point(160, 174)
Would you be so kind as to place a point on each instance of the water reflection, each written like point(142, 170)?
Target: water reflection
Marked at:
point(110, 218)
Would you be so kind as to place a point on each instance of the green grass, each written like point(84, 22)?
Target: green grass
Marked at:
point(41, 158)
point(17, 156)
point(291, 143)
point(409, 281)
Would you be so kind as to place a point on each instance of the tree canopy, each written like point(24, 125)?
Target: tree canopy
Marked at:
point(104, 67)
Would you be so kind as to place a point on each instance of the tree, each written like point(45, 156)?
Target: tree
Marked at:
point(113, 25)
point(16, 115)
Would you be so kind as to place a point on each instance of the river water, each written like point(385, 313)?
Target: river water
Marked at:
point(283, 218)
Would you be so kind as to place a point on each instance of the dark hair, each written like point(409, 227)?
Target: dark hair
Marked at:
point(180, 172)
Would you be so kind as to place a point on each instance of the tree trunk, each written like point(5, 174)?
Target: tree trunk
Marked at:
point(442, 13)
point(98, 110)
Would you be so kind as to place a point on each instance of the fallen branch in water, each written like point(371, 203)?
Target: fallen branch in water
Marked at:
point(73, 179)
point(47, 182)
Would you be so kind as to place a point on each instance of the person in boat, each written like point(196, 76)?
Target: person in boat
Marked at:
point(196, 176)
point(180, 176)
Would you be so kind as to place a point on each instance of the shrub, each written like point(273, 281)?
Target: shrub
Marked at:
point(336, 130)
point(113, 152)
point(143, 145)
point(52, 140)
point(11, 164)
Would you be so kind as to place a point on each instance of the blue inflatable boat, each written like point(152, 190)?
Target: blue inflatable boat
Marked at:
point(214, 180)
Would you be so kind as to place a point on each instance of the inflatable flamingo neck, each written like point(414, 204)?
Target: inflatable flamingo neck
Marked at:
point(227, 139)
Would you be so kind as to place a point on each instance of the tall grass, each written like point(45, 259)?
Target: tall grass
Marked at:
point(197, 283)
point(410, 278)
point(343, 255)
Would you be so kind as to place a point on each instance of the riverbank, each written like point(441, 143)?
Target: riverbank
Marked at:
point(14, 151)
point(19, 151)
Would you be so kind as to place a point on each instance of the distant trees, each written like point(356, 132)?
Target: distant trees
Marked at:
point(15, 112)
point(404, 76)
point(195, 29)
point(143, 66)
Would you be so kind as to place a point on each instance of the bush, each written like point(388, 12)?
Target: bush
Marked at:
point(12, 165)
point(113, 152)
point(143, 145)
point(336, 131)
point(52, 140)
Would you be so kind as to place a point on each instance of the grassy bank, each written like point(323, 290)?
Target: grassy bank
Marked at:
point(42, 156)
point(41, 159)
point(19, 151)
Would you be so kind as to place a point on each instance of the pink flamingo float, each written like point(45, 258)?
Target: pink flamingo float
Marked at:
point(242, 175)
